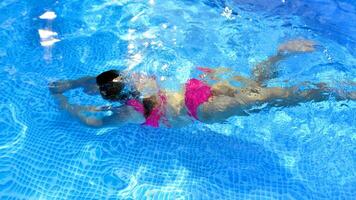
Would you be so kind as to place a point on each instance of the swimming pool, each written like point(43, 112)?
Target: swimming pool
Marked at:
point(303, 152)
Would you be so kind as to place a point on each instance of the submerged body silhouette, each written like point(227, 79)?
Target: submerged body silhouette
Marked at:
point(144, 102)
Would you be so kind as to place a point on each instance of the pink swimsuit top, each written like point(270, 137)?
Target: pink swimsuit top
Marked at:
point(157, 112)
point(196, 93)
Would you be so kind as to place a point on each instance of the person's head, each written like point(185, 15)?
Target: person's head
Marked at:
point(113, 87)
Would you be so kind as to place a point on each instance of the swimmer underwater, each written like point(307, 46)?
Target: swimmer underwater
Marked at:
point(143, 102)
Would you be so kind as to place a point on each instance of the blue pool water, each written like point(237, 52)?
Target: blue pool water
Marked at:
point(303, 152)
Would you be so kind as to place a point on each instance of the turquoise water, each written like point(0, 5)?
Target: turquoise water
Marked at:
point(302, 152)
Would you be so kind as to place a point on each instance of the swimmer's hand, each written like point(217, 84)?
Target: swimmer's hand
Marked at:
point(74, 108)
point(107, 108)
point(87, 83)
point(58, 87)
point(79, 111)
point(297, 46)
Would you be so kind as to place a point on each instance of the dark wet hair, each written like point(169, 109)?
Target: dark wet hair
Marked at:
point(117, 90)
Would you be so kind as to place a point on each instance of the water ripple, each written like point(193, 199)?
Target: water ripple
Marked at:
point(13, 131)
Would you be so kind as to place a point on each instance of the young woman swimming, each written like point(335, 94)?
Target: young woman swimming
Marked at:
point(142, 101)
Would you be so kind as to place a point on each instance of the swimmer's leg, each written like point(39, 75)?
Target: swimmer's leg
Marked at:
point(292, 96)
point(249, 100)
point(223, 88)
point(266, 70)
point(246, 82)
point(213, 73)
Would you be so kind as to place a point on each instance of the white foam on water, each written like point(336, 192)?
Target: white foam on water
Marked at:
point(47, 43)
point(47, 37)
point(49, 15)
point(44, 34)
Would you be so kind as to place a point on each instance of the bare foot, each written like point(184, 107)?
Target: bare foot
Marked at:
point(297, 46)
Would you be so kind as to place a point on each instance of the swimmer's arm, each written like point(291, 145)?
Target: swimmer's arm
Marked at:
point(77, 111)
point(88, 84)
point(122, 114)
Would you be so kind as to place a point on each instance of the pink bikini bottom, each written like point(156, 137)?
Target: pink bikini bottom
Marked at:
point(196, 93)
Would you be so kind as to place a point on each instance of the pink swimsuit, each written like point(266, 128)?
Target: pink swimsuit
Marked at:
point(156, 114)
point(196, 93)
